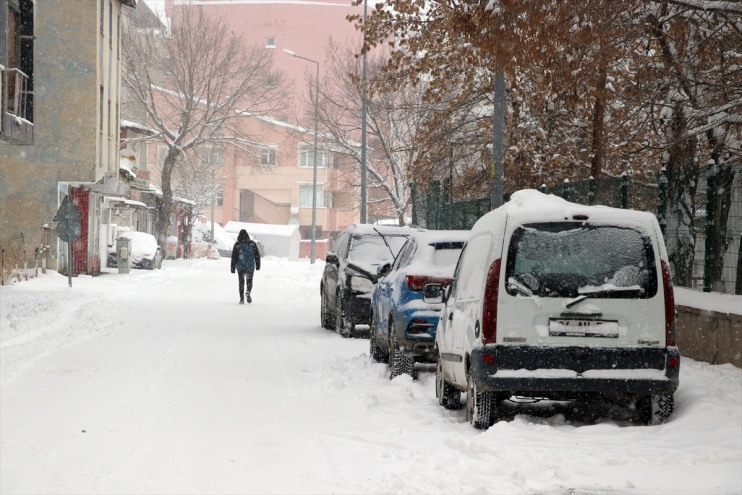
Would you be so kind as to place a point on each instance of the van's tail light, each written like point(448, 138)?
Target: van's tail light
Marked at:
point(489, 308)
point(670, 328)
point(418, 282)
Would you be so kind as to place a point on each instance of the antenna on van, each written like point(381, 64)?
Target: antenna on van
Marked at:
point(384, 239)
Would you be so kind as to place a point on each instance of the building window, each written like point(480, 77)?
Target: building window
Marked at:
point(306, 156)
point(270, 42)
point(17, 61)
point(305, 196)
point(212, 154)
point(268, 156)
point(161, 154)
point(220, 197)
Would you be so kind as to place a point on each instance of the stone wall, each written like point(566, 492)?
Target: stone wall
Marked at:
point(710, 336)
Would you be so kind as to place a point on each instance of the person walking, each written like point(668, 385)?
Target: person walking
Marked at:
point(245, 259)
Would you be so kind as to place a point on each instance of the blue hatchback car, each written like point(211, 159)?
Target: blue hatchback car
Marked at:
point(403, 326)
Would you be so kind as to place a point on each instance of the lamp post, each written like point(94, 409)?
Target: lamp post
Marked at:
point(313, 249)
point(364, 110)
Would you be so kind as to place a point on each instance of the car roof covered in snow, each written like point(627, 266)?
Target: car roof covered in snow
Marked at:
point(360, 228)
point(436, 236)
point(530, 206)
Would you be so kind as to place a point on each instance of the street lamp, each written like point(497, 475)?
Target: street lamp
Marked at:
point(364, 111)
point(313, 249)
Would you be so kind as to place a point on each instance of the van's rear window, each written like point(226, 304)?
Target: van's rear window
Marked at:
point(568, 259)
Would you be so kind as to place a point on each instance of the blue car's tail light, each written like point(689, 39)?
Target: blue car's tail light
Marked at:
point(418, 282)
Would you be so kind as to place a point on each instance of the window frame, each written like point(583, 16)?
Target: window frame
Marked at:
point(272, 154)
point(322, 199)
point(324, 157)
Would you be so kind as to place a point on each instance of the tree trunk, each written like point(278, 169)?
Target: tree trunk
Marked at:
point(598, 144)
point(166, 209)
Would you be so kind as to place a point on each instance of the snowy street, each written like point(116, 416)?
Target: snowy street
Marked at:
point(158, 382)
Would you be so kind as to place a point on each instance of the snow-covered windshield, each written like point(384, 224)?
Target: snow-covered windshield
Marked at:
point(371, 248)
point(568, 259)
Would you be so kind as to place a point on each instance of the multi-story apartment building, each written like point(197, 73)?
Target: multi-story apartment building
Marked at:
point(278, 189)
point(60, 87)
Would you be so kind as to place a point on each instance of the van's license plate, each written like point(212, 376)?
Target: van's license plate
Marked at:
point(567, 327)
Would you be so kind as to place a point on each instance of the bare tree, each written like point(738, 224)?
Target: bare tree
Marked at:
point(397, 119)
point(196, 85)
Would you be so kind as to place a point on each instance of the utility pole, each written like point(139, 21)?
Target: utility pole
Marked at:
point(364, 110)
point(313, 248)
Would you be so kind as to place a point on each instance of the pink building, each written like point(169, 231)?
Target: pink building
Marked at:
point(279, 189)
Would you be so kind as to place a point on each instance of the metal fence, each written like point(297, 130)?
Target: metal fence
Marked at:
point(718, 227)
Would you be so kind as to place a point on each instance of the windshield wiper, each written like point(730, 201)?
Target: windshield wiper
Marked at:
point(610, 293)
point(387, 244)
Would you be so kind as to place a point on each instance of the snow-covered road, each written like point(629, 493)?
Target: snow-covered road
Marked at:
point(159, 382)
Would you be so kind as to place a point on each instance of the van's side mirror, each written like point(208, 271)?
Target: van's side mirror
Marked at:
point(383, 269)
point(332, 258)
point(434, 294)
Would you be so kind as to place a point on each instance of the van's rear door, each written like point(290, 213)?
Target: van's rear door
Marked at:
point(579, 283)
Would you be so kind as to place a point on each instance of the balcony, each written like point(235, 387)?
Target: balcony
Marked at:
point(16, 107)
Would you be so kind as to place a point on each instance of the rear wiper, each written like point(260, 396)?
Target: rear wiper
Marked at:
point(613, 292)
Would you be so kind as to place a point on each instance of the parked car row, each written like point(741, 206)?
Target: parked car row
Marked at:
point(543, 300)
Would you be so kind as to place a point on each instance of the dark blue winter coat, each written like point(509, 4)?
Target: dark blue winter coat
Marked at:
point(245, 255)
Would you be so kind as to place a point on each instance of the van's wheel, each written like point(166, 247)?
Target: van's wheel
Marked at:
point(325, 316)
point(448, 396)
point(375, 350)
point(480, 406)
point(655, 409)
point(399, 362)
point(343, 325)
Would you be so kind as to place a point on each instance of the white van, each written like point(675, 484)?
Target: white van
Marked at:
point(559, 301)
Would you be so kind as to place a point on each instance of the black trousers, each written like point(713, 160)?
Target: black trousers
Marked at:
point(245, 281)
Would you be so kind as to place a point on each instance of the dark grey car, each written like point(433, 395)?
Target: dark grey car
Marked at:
point(350, 273)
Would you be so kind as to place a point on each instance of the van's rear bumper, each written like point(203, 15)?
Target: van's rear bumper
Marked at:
point(556, 371)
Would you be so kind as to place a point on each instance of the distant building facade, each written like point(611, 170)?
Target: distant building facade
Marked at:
point(278, 189)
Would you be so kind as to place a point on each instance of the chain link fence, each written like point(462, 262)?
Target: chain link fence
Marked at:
point(717, 224)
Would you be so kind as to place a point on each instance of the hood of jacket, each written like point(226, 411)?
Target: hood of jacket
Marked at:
point(243, 236)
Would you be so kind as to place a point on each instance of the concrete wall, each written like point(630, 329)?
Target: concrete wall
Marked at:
point(710, 336)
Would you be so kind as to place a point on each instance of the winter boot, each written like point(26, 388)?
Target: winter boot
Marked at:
point(242, 300)
point(249, 299)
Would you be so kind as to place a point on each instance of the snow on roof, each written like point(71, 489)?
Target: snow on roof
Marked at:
point(135, 126)
point(183, 200)
point(154, 190)
point(129, 202)
point(125, 167)
point(261, 228)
